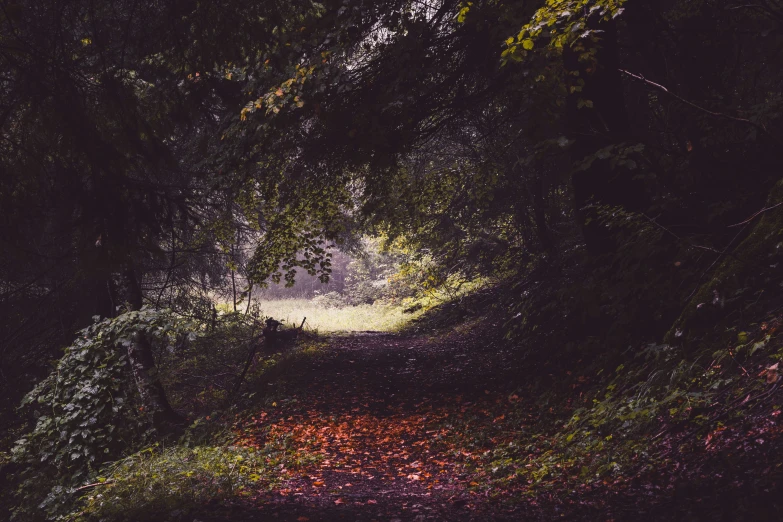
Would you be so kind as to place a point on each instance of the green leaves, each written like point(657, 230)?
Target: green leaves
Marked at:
point(88, 408)
point(463, 12)
point(560, 23)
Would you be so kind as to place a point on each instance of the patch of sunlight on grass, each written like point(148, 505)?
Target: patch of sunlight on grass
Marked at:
point(376, 317)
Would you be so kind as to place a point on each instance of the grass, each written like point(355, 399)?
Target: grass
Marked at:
point(167, 484)
point(322, 318)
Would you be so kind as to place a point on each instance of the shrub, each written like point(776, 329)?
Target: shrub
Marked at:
point(329, 300)
point(87, 410)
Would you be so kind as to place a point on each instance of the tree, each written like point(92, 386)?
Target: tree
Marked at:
point(108, 114)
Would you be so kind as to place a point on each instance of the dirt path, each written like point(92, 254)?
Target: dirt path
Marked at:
point(376, 409)
point(406, 428)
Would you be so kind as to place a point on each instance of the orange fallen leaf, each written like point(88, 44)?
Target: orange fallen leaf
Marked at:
point(318, 483)
point(339, 501)
point(302, 519)
point(772, 373)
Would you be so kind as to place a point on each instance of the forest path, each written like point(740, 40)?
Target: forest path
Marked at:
point(377, 410)
point(392, 428)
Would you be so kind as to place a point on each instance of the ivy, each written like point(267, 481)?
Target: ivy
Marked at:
point(87, 410)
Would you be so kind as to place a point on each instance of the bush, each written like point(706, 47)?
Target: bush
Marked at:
point(329, 300)
point(200, 375)
point(87, 410)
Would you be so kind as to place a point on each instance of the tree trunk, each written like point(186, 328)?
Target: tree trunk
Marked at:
point(144, 370)
point(101, 284)
point(538, 201)
point(249, 297)
point(234, 288)
point(598, 83)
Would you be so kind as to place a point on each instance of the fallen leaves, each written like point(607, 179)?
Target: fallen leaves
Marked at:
point(712, 435)
point(361, 442)
point(772, 373)
point(467, 448)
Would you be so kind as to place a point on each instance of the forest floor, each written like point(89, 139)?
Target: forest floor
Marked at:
point(375, 409)
point(401, 427)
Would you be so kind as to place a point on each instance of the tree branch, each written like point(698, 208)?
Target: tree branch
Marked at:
point(751, 218)
point(94, 484)
point(660, 87)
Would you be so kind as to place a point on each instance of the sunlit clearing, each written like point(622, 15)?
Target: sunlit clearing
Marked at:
point(376, 317)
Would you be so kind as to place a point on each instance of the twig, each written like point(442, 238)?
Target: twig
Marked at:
point(756, 214)
point(651, 220)
point(767, 393)
point(768, 9)
point(88, 486)
point(700, 247)
point(731, 353)
point(253, 348)
point(660, 87)
point(698, 282)
point(744, 225)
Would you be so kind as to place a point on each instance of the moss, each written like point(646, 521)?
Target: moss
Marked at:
point(748, 279)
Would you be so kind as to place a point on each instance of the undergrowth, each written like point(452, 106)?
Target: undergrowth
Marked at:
point(589, 413)
point(171, 483)
point(615, 425)
point(90, 426)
